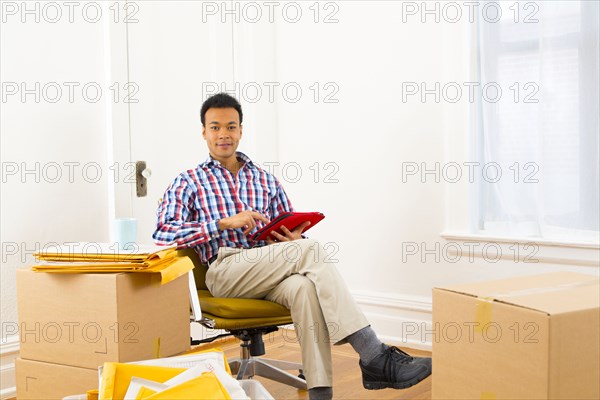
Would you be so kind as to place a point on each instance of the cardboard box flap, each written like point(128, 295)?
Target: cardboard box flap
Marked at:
point(553, 293)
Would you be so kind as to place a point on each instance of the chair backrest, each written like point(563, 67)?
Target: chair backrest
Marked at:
point(199, 268)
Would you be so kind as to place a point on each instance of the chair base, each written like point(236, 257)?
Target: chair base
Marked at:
point(246, 368)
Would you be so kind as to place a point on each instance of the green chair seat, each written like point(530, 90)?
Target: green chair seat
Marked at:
point(233, 324)
point(236, 308)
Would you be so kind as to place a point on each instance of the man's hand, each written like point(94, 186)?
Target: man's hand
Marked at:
point(289, 235)
point(245, 219)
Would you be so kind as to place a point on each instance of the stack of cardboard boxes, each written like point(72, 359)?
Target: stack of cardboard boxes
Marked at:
point(70, 324)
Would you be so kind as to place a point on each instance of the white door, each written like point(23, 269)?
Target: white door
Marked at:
point(173, 56)
point(179, 52)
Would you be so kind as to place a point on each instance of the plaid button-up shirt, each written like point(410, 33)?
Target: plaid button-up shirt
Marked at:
point(198, 198)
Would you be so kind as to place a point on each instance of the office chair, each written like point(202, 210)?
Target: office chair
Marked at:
point(246, 319)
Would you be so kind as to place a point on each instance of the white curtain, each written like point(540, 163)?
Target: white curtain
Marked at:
point(542, 132)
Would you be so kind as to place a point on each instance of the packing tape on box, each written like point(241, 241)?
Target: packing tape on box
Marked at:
point(483, 307)
point(544, 289)
point(483, 312)
point(487, 396)
point(156, 347)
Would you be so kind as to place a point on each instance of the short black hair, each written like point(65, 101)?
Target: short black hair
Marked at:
point(220, 100)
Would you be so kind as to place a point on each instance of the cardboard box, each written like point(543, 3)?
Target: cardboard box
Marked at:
point(84, 320)
point(40, 380)
point(533, 337)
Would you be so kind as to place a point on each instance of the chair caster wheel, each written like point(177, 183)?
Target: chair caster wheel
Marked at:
point(301, 375)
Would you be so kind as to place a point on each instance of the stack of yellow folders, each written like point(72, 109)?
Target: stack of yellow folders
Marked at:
point(204, 375)
point(82, 257)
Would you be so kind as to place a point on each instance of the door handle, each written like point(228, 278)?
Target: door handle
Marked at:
point(142, 174)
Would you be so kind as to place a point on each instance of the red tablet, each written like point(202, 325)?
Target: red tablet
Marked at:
point(290, 220)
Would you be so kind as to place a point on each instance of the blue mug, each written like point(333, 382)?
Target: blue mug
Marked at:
point(125, 231)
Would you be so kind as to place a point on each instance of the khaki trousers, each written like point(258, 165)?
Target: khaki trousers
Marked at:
point(299, 276)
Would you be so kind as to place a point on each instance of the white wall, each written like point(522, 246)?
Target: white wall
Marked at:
point(51, 205)
point(56, 203)
point(368, 133)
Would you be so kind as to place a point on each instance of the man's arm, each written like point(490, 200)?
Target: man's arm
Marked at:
point(244, 219)
point(174, 225)
point(281, 203)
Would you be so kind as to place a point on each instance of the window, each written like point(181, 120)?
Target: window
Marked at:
point(537, 135)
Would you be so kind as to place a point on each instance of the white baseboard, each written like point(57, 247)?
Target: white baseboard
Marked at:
point(402, 320)
point(9, 351)
point(8, 393)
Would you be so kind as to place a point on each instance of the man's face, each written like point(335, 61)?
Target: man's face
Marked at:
point(222, 132)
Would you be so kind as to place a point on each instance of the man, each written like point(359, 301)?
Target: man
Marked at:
point(214, 208)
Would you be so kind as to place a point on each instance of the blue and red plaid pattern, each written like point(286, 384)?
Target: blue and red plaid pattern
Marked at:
point(198, 198)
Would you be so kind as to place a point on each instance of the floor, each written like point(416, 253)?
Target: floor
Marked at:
point(347, 381)
point(346, 373)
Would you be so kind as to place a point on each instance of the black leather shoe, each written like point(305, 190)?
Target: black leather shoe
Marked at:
point(393, 368)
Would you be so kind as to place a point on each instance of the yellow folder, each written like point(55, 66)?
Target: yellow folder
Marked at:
point(166, 262)
point(103, 252)
point(116, 377)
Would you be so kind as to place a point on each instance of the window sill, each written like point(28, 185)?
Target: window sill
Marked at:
point(522, 240)
point(527, 250)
